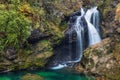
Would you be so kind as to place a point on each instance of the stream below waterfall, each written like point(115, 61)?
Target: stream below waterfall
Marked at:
point(47, 75)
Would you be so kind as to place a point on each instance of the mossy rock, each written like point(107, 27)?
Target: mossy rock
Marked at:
point(36, 60)
point(29, 76)
point(43, 45)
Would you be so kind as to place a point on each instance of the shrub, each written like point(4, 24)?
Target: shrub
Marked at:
point(14, 29)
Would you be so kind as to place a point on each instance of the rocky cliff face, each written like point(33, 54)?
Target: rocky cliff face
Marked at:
point(49, 21)
point(102, 60)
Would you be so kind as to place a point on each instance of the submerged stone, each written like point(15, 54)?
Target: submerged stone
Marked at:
point(29, 76)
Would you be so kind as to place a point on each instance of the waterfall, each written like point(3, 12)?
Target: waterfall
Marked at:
point(93, 28)
point(95, 19)
point(83, 31)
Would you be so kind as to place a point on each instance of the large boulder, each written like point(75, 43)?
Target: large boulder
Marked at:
point(102, 59)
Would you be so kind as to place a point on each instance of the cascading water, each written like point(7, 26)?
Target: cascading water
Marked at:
point(78, 29)
point(83, 31)
point(95, 18)
point(92, 28)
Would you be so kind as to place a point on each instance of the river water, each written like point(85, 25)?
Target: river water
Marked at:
point(47, 75)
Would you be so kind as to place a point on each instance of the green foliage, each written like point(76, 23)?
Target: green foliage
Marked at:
point(15, 29)
point(15, 1)
point(63, 25)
